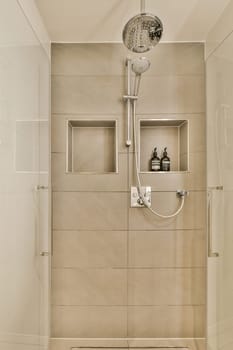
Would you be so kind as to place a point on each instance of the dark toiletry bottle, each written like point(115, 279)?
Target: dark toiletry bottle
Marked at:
point(155, 161)
point(165, 161)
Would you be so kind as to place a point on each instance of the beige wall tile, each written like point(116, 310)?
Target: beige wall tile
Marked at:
point(88, 59)
point(172, 94)
point(185, 248)
point(90, 95)
point(192, 216)
point(177, 59)
point(167, 59)
point(166, 321)
point(89, 322)
point(173, 88)
point(166, 286)
point(89, 249)
point(63, 181)
point(89, 211)
point(89, 287)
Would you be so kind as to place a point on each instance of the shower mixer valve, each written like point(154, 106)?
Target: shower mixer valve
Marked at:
point(136, 200)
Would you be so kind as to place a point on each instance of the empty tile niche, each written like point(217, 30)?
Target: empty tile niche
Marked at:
point(91, 146)
point(160, 133)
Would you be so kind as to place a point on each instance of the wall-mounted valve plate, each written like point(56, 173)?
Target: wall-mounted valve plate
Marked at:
point(136, 201)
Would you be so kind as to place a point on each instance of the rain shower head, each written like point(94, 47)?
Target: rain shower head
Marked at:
point(142, 32)
point(140, 65)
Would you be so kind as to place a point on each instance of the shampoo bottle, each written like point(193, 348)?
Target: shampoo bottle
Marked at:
point(165, 161)
point(155, 161)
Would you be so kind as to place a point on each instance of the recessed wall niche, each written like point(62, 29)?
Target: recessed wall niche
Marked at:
point(91, 146)
point(161, 133)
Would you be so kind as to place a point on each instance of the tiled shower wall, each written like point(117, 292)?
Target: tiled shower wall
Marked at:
point(117, 271)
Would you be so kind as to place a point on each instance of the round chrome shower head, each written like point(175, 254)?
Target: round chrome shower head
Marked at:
point(142, 32)
point(140, 65)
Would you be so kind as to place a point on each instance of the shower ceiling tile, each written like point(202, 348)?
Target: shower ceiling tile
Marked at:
point(103, 20)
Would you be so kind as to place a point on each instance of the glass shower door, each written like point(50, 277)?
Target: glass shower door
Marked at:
point(219, 75)
point(24, 233)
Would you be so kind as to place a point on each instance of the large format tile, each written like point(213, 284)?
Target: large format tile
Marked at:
point(166, 287)
point(63, 181)
point(90, 95)
point(166, 321)
point(89, 322)
point(89, 287)
point(88, 59)
point(89, 249)
point(167, 59)
point(172, 94)
point(89, 211)
point(185, 248)
point(177, 59)
point(193, 215)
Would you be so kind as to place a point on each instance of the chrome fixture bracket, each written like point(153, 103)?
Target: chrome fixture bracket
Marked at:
point(182, 193)
point(136, 200)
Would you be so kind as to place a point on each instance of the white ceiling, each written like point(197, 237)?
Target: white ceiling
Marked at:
point(103, 20)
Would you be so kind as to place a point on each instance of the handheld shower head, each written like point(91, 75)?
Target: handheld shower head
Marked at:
point(140, 65)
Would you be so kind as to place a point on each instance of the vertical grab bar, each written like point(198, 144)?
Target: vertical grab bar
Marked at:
point(211, 253)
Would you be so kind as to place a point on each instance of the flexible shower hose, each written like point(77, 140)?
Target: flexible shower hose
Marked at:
point(143, 199)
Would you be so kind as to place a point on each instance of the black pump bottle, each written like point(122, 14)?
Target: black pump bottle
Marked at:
point(155, 161)
point(165, 161)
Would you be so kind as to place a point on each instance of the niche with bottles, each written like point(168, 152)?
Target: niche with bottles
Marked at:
point(91, 146)
point(160, 133)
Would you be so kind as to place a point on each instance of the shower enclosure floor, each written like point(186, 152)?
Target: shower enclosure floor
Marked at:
point(127, 343)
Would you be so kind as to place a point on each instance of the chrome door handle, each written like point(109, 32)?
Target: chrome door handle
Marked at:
point(39, 188)
point(44, 253)
point(211, 253)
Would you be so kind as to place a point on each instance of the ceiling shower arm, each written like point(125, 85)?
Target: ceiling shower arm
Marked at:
point(143, 6)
